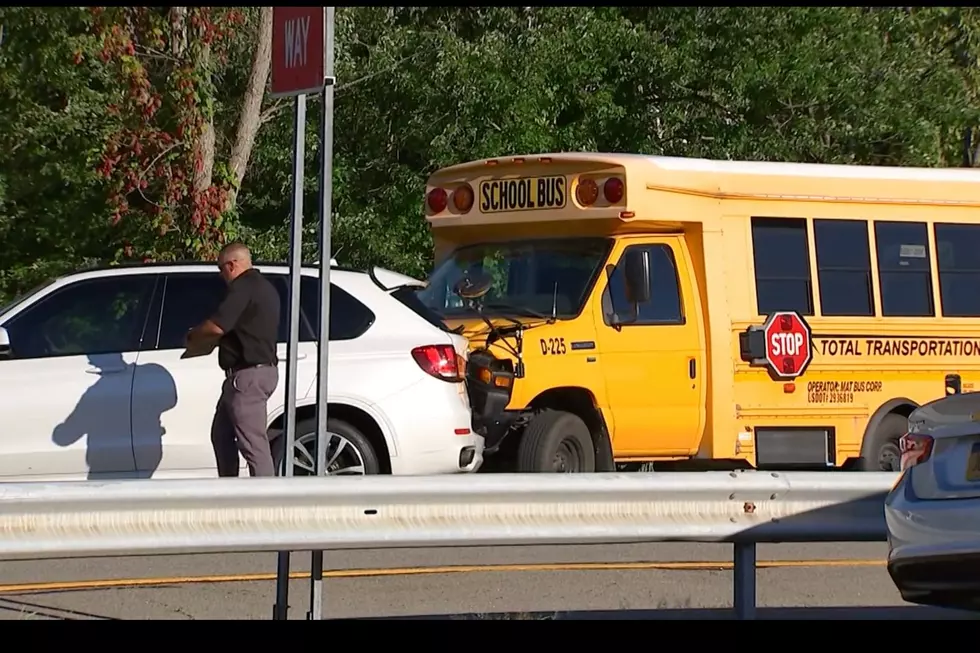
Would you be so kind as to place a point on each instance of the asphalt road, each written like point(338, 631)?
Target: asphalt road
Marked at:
point(659, 580)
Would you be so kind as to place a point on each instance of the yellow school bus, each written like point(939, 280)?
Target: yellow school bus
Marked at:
point(626, 309)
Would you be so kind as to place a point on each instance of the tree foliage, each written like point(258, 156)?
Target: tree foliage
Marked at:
point(164, 102)
point(142, 132)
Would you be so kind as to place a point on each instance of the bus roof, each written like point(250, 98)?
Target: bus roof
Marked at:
point(727, 167)
point(740, 179)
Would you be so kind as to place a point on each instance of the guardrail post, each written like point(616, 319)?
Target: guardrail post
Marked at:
point(744, 580)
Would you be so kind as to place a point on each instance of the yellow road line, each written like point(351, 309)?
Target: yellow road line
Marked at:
point(415, 571)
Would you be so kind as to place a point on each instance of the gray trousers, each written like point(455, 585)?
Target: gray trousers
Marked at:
point(239, 423)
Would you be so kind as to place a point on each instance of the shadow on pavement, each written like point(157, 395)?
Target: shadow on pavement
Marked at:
point(904, 613)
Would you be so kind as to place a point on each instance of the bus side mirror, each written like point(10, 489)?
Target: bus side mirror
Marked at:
point(636, 274)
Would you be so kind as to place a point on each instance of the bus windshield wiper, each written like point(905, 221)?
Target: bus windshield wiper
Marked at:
point(519, 309)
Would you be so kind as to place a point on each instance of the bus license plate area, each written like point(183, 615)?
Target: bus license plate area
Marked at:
point(523, 194)
point(973, 464)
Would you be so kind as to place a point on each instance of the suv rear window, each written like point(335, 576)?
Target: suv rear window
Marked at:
point(407, 296)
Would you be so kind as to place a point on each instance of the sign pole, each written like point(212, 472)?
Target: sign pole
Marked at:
point(295, 272)
point(297, 70)
point(326, 197)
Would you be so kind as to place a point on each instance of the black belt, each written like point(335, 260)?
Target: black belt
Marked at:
point(238, 368)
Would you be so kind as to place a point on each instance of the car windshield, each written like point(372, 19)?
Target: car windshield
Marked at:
point(529, 278)
point(17, 300)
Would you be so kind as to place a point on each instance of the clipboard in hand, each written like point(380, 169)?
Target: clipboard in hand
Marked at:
point(199, 349)
point(195, 352)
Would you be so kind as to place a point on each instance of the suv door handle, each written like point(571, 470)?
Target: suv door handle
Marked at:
point(299, 357)
point(692, 368)
point(105, 370)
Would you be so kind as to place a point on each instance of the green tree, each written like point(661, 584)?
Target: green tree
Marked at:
point(52, 210)
point(187, 121)
point(422, 88)
point(89, 99)
point(127, 132)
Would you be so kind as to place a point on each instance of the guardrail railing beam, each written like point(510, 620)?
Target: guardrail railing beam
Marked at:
point(44, 521)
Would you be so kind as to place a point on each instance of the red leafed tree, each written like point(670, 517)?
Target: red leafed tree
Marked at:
point(171, 191)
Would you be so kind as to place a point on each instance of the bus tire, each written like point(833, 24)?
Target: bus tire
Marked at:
point(556, 441)
point(884, 455)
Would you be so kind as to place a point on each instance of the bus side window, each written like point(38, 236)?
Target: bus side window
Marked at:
point(904, 274)
point(782, 265)
point(843, 267)
point(665, 305)
point(958, 257)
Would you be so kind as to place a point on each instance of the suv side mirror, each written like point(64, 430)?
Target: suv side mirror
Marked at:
point(636, 275)
point(5, 350)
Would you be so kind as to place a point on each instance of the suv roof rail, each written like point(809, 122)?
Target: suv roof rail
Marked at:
point(189, 263)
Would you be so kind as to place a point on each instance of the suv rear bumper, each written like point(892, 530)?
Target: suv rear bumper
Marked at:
point(434, 433)
point(948, 581)
point(466, 456)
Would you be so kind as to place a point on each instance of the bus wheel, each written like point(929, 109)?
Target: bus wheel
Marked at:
point(884, 455)
point(556, 442)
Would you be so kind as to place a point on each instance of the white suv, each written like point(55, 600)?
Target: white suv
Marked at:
point(92, 384)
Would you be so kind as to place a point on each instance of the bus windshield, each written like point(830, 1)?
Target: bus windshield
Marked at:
point(530, 278)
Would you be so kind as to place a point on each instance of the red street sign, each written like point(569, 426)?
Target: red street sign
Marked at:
point(789, 346)
point(298, 50)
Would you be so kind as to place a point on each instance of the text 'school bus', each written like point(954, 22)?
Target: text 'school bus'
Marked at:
point(625, 308)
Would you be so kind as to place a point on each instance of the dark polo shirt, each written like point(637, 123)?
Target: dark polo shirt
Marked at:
point(249, 316)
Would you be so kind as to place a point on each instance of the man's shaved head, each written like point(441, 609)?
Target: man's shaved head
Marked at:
point(235, 252)
point(233, 259)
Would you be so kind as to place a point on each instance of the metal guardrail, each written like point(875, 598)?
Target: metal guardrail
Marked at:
point(156, 517)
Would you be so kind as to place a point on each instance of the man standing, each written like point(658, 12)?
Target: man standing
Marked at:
point(245, 327)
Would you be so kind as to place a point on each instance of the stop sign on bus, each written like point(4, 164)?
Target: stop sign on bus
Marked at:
point(789, 347)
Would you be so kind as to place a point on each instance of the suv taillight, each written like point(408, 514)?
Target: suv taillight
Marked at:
point(439, 361)
point(915, 449)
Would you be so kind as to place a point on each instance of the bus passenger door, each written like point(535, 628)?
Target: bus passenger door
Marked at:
point(654, 362)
